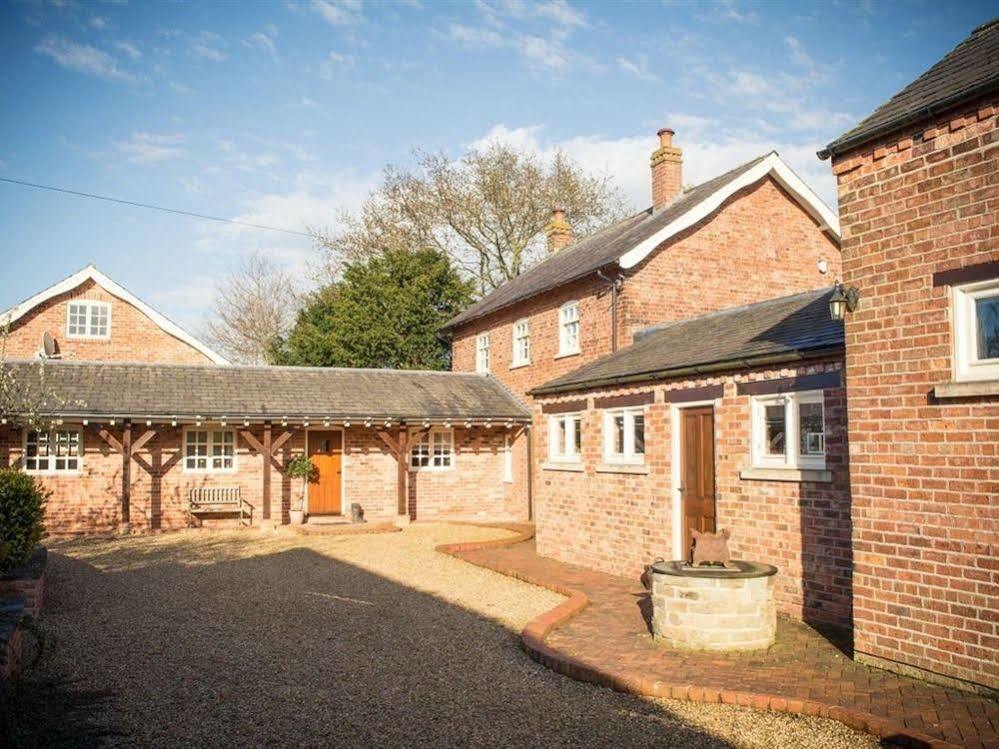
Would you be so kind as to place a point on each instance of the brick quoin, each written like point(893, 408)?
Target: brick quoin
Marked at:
point(924, 471)
point(619, 522)
point(134, 337)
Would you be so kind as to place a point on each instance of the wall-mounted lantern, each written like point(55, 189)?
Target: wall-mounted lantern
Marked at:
point(843, 301)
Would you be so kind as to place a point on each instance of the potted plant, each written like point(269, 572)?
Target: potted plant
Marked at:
point(300, 467)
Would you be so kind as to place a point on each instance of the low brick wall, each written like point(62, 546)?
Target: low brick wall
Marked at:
point(21, 594)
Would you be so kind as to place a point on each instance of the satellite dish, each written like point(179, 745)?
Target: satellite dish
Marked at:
point(49, 348)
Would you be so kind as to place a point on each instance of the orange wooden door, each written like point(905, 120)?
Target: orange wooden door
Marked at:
point(697, 471)
point(325, 487)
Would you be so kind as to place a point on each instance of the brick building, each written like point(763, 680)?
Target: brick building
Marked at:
point(919, 208)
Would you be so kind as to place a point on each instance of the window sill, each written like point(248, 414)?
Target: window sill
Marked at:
point(966, 389)
point(572, 467)
point(787, 474)
point(639, 469)
point(568, 355)
point(520, 366)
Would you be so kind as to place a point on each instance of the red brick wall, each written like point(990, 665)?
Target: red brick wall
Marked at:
point(134, 337)
point(924, 472)
point(90, 501)
point(760, 245)
point(619, 522)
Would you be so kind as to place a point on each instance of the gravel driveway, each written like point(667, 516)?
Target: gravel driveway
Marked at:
point(245, 639)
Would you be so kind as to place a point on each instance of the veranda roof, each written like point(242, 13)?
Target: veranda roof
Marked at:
point(166, 391)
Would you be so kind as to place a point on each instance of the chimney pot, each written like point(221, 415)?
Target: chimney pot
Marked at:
point(667, 170)
point(558, 230)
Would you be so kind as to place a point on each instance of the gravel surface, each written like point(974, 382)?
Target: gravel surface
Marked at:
point(245, 639)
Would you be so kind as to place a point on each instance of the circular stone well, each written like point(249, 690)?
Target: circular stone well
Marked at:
point(714, 608)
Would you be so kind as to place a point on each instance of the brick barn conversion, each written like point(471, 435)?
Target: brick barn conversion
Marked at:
point(695, 366)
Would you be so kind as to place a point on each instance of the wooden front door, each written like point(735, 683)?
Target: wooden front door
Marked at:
point(325, 487)
point(697, 472)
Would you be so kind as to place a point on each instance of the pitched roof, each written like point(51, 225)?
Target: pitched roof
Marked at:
point(165, 391)
point(778, 330)
point(628, 242)
point(967, 71)
point(90, 273)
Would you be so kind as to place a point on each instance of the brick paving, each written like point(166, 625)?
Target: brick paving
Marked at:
point(601, 635)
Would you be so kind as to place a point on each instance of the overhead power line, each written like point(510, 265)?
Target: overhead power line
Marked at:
point(151, 207)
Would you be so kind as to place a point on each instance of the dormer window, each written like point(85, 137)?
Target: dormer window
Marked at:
point(87, 319)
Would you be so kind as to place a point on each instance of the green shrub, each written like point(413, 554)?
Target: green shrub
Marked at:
point(22, 507)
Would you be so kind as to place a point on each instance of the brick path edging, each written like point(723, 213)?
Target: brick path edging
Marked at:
point(533, 640)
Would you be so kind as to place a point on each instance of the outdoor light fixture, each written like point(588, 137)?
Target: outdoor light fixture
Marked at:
point(346, 425)
point(173, 422)
point(843, 301)
point(110, 422)
point(86, 422)
point(246, 422)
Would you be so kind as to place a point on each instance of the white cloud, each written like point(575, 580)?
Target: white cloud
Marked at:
point(263, 41)
point(797, 52)
point(639, 67)
point(728, 11)
point(308, 103)
point(97, 22)
point(180, 88)
point(339, 12)
point(82, 58)
point(336, 62)
point(473, 35)
point(129, 48)
point(152, 148)
point(207, 45)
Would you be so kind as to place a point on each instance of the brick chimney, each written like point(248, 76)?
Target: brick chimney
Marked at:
point(559, 232)
point(667, 170)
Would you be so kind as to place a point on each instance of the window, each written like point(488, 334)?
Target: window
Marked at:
point(482, 353)
point(58, 451)
point(88, 319)
point(209, 451)
point(976, 331)
point(565, 438)
point(624, 435)
point(434, 451)
point(568, 329)
point(521, 343)
point(789, 431)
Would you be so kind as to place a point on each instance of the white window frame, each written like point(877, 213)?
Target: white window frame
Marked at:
point(52, 440)
point(482, 354)
point(628, 456)
point(423, 455)
point(569, 425)
point(89, 305)
point(521, 331)
point(210, 456)
point(967, 365)
point(792, 458)
point(568, 328)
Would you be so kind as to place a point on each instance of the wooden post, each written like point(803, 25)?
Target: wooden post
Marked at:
point(402, 459)
point(266, 455)
point(126, 477)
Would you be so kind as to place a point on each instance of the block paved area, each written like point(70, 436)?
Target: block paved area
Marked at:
point(608, 641)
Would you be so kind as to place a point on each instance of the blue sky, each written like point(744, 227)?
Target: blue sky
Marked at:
point(284, 113)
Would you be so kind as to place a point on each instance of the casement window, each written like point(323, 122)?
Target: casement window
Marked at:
point(568, 329)
point(56, 451)
point(86, 319)
point(565, 438)
point(507, 459)
point(210, 451)
point(434, 450)
point(976, 330)
point(482, 353)
point(624, 435)
point(521, 343)
point(789, 431)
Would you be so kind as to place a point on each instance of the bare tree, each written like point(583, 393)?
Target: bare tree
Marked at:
point(487, 211)
point(254, 305)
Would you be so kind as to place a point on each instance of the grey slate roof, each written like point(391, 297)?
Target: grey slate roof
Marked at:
point(969, 70)
point(596, 251)
point(166, 390)
point(778, 330)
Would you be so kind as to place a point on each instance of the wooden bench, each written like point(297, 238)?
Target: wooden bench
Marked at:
point(204, 500)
